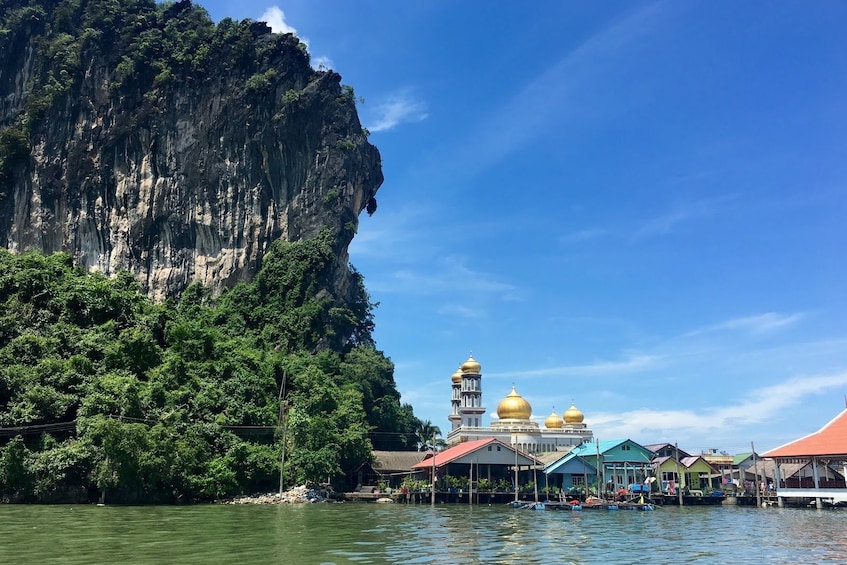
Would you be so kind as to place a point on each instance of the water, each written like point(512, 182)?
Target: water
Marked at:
point(372, 533)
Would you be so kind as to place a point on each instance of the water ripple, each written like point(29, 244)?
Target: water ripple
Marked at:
point(370, 533)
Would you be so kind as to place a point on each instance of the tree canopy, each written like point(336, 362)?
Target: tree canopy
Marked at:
point(103, 390)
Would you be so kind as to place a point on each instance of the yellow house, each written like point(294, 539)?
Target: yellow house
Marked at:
point(692, 473)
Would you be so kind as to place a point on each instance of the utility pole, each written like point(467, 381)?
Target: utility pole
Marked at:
point(432, 441)
point(281, 421)
point(756, 477)
point(515, 446)
point(678, 476)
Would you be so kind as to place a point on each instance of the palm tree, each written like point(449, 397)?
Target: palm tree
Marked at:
point(429, 436)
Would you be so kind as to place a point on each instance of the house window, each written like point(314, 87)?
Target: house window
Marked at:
point(498, 448)
point(489, 448)
point(577, 480)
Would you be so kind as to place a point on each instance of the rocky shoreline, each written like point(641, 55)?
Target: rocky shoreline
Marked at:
point(297, 495)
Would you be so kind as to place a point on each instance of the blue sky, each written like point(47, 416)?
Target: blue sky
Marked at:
point(637, 207)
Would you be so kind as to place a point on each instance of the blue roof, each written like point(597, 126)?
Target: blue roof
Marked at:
point(590, 448)
point(614, 451)
point(570, 463)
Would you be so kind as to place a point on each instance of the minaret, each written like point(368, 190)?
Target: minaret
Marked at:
point(456, 401)
point(470, 407)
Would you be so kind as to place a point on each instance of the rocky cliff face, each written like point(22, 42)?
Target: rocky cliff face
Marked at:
point(144, 137)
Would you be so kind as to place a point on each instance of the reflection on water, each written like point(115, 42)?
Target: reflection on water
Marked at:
point(371, 533)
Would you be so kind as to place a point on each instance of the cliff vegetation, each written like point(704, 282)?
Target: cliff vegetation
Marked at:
point(104, 390)
point(176, 201)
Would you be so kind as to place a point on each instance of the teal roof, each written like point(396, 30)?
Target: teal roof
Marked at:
point(590, 448)
point(612, 451)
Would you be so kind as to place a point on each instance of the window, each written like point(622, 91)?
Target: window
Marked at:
point(498, 448)
point(577, 480)
point(489, 448)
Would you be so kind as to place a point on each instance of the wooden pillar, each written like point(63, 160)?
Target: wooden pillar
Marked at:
point(778, 480)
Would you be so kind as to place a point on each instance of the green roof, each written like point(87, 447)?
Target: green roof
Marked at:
point(740, 458)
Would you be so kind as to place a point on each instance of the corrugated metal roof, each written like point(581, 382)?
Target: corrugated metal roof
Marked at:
point(829, 440)
point(566, 460)
point(740, 458)
point(459, 451)
point(590, 447)
point(689, 462)
point(392, 461)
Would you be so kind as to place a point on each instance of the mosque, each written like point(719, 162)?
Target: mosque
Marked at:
point(514, 423)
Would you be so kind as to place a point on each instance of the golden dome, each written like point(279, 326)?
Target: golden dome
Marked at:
point(573, 415)
point(514, 406)
point(471, 366)
point(553, 421)
point(457, 376)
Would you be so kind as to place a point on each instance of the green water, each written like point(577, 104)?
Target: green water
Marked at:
point(371, 533)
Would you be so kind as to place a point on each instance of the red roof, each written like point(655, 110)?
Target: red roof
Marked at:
point(829, 440)
point(450, 455)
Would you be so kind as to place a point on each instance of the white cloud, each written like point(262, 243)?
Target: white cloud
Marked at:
point(400, 107)
point(718, 424)
point(275, 18)
point(633, 364)
point(322, 62)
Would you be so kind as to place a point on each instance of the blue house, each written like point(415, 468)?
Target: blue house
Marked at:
point(570, 471)
point(621, 462)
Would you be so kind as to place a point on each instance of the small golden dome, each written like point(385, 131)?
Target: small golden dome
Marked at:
point(514, 407)
point(573, 415)
point(553, 421)
point(471, 366)
point(457, 377)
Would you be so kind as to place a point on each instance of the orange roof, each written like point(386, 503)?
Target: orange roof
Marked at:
point(829, 440)
point(450, 455)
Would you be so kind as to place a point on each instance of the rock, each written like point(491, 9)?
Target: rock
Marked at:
point(297, 495)
point(183, 180)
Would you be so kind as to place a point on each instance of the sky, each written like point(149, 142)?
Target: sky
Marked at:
point(638, 208)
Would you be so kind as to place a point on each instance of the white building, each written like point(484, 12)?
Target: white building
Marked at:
point(514, 423)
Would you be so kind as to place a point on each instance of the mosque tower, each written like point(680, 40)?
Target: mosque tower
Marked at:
point(456, 400)
point(470, 405)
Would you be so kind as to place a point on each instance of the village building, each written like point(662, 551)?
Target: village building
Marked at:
point(824, 453)
point(514, 424)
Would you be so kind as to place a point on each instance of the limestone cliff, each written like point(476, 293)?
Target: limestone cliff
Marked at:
point(145, 137)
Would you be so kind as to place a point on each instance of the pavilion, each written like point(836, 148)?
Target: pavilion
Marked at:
point(826, 450)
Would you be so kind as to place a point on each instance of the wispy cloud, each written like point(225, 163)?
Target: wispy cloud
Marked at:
point(668, 222)
point(719, 423)
point(583, 235)
point(397, 235)
point(633, 364)
point(451, 275)
point(461, 310)
point(275, 18)
point(566, 92)
point(758, 324)
point(398, 108)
